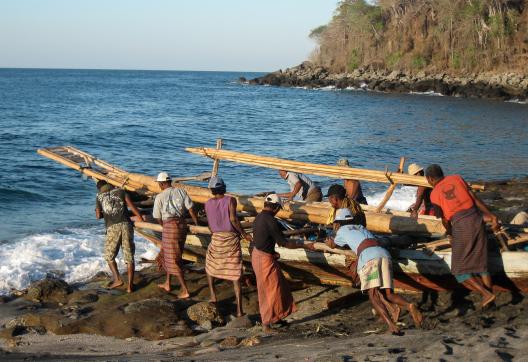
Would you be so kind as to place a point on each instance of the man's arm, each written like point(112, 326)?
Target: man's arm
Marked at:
point(98, 211)
point(418, 202)
point(156, 212)
point(235, 222)
point(290, 195)
point(352, 188)
point(488, 216)
point(133, 208)
point(193, 215)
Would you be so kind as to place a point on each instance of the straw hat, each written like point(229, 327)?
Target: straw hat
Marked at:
point(343, 162)
point(414, 168)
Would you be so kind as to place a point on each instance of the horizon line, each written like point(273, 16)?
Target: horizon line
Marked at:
point(136, 69)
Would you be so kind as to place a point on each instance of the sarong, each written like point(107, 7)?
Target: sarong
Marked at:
point(224, 256)
point(469, 246)
point(376, 273)
point(274, 295)
point(172, 243)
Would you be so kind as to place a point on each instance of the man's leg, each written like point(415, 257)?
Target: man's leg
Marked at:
point(166, 285)
point(131, 269)
point(212, 291)
point(116, 278)
point(184, 293)
point(486, 280)
point(402, 302)
point(381, 310)
point(475, 284)
point(238, 296)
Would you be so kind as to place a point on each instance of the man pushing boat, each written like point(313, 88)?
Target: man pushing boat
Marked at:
point(301, 187)
point(462, 214)
point(224, 254)
point(111, 204)
point(374, 269)
point(274, 295)
point(170, 208)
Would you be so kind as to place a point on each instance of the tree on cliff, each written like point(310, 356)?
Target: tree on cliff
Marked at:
point(452, 35)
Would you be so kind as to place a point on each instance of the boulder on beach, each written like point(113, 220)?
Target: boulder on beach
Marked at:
point(48, 290)
point(205, 314)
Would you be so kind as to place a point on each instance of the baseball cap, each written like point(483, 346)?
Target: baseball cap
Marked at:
point(163, 176)
point(274, 199)
point(343, 214)
point(215, 182)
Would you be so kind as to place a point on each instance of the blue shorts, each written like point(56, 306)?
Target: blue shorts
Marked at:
point(461, 278)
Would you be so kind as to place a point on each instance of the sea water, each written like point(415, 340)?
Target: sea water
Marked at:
point(142, 121)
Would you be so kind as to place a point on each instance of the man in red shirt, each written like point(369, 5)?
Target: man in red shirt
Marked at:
point(463, 215)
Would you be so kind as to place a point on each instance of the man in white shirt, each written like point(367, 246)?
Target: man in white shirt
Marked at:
point(301, 187)
point(170, 208)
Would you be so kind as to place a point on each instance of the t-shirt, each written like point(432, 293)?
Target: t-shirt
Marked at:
point(266, 232)
point(452, 195)
point(113, 206)
point(307, 185)
point(352, 236)
point(170, 203)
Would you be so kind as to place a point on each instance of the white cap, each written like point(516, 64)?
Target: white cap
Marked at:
point(343, 214)
point(163, 176)
point(274, 199)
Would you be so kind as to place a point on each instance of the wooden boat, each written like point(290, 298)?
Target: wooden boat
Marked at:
point(413, 269)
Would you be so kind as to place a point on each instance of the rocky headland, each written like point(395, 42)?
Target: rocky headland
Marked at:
point(504, 86)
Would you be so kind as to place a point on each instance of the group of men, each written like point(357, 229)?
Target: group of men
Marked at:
point(462, 213)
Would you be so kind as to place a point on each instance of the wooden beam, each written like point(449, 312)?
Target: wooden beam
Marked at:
point(216, 162)
point(391, 188)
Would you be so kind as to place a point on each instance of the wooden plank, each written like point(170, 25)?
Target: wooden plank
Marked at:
point(391, 189)
point(216, 162)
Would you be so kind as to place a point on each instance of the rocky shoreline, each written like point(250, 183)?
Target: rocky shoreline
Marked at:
point(505, 86)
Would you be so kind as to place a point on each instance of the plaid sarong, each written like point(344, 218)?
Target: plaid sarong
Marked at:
point(172, 244)
point(224, 256)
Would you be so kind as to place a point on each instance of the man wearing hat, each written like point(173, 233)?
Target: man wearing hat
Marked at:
point(170, 208)
point(274, 295)
point(338, 199)
point(374, 268)
point(352, 187)
point(301, 187)
point(423, 195)
point(224, 254)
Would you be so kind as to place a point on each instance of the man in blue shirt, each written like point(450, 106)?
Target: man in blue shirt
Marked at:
point(374, 267)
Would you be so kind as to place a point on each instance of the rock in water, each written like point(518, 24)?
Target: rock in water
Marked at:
point(205, 312)
point(48, 290)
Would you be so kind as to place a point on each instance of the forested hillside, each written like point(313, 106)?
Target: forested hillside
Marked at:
point(454, 36)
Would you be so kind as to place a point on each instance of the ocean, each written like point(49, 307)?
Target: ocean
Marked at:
point(142, 121)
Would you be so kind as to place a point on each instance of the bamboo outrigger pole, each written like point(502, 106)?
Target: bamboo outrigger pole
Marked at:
point(310, 168)
point(391, 188)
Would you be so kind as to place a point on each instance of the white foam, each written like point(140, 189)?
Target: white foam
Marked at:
point(428, 93)
point(76, 252)
point(518, 101)
point(401, 199)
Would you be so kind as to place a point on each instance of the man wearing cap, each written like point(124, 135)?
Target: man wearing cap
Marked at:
point(274, 295)
point(224, 254)
point(463, 215)
point(374, 268)
point(111, 204)
point(423, 195)
point(338, 199)
point(352, 187)
point(301, 187)
point(170, 208)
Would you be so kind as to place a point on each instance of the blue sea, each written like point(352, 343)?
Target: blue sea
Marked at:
point(142, 121)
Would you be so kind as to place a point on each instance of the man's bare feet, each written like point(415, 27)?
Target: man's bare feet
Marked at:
point(130, 288)
point(184, 295)
point(165, 287)
point(266, 328)
point(393, 329)
point(212, 299)
point(115, 284)
point(416, 315)
point(488, 300)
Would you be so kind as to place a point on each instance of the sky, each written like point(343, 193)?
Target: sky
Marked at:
point(230, 35)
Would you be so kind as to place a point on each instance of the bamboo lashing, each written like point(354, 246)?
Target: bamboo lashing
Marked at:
point(391, 188)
